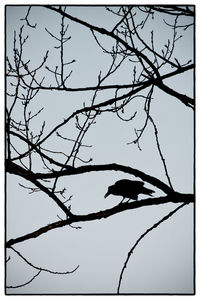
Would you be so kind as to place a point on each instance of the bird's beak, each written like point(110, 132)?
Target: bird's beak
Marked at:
point(106, 195)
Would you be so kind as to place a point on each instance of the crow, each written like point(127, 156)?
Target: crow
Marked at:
point(128, 189)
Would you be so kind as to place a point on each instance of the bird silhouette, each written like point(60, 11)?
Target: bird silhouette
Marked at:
point(128, 189)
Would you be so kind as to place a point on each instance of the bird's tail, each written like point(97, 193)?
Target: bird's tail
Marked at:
point(147, 191)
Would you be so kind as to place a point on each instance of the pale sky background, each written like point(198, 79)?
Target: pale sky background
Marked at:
point(101, 247)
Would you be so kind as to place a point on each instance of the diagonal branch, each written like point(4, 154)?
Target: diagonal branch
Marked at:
point(109, 86)
point(34, 147)
point(174, 198)
point(113, 100)
point(29, 175)
point(110, 34)
point(183, 98)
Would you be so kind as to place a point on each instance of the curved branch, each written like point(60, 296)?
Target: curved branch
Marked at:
point(108, 167)
point(23, 284)
point(142, 236)
point(29, 175)
point(43, 269)
point(175, 198)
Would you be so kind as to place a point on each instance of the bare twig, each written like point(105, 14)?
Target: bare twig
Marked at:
point(43, 269)
point(23, 284)
point(26, 19)
point(160, 152)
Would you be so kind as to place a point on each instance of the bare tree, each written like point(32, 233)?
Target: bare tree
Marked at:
point(54, 149)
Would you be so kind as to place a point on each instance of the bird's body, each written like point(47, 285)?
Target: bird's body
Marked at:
point(128, 189)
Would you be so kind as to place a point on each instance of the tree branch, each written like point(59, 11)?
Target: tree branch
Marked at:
point(43, 269)
point(175, 198)
point(142, 236)
point(110, 86)
point(108, 33)
point(108, 167)
point(183, 98)
point(13, 168)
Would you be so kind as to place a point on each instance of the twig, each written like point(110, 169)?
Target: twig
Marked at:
point(42, 269)
point(23, 284)
point(160, 152)
point(26, 19)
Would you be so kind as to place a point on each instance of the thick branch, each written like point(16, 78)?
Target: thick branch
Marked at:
point(172, 10)
point(33, 177)
point(30, 176)
point(175, 198)
point(183, 98)
point(108, 167)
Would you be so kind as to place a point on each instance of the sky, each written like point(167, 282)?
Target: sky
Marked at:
point(100, 247)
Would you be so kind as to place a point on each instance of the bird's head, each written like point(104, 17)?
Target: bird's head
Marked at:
point(110, 191)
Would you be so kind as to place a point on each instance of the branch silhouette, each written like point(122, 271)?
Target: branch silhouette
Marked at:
point(40, 268)
point(175, 198)
point(17, 170)
point(157, 81)
point(142, 236)
point(25, 283)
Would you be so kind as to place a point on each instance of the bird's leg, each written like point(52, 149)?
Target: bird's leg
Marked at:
point(122, 200)
point(130, 199)
point(127, 201)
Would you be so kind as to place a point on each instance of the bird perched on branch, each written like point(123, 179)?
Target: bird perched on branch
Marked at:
point(128, 189)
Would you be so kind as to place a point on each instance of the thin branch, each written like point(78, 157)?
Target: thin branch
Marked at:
point(95, 108)
point(34, 147)
point(142, 236)
point(23, 284)
point(147, 110)
point(110, 34)
point(26, 19)
point(129, 10)
point(111, 86)
point(160, 152)
point(42, 269)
